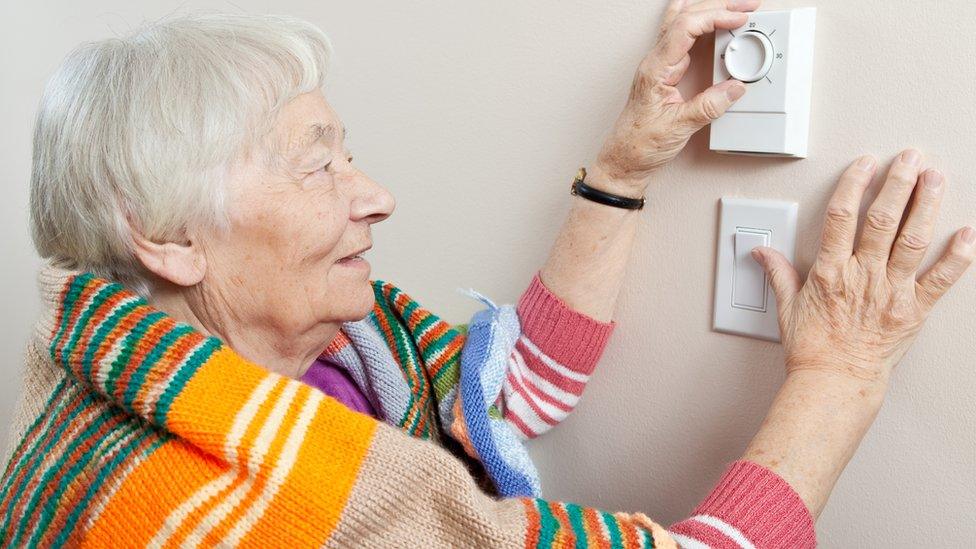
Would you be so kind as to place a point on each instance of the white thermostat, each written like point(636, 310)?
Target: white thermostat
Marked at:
point(773, 55)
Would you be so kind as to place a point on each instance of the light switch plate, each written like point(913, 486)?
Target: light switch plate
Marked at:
point(773, 117)
point(744, 302)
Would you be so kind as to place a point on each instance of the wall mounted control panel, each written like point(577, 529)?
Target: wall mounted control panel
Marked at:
point(744, 302)
point(773, 54)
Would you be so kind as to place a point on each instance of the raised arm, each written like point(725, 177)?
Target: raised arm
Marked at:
point(566, 312)
point(586, 265)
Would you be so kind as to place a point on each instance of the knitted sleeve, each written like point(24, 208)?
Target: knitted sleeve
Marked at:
point(552, 361)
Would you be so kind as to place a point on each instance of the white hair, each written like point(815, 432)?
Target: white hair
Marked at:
point(140, 131)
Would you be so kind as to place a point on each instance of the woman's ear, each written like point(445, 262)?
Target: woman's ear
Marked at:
point(183, 264)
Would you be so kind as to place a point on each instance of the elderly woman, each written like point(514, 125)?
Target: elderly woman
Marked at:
point(214, 366)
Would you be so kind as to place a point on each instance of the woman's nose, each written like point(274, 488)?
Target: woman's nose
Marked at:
point(372, 202)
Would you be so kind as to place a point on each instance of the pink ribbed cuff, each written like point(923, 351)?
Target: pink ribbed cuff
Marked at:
point(753, 502)
point(569, 337)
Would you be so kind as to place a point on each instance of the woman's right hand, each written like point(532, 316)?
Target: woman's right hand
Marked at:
point(847, 326)
point(863, 302)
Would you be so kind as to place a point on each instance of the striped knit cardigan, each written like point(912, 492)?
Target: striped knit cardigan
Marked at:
point(145, 432)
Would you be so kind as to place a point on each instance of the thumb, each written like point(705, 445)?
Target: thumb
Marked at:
point(782, 276)
point(710, 104)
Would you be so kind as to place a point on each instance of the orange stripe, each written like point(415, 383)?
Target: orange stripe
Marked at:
point(131, 518)
point(328, 462)
point(565, 536)
point(594, 530)
point(629, 533)
point(533, 520)
point(214, 537)
point(450, 352)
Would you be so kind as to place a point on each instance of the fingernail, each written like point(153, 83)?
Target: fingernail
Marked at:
point(866, 162)
point(968, 235)
point(757, 255)
point(911, 157)
point(735, 91)
point(933, 180)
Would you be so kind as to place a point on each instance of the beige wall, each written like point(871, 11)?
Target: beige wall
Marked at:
point(477, 116)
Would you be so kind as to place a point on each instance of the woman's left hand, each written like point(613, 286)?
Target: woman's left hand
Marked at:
point(657, 121)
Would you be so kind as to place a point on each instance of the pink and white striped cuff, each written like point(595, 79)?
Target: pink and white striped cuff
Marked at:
point(751, 508)
point(565, 335)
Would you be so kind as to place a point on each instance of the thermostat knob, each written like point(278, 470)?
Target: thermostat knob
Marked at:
point(749, 56)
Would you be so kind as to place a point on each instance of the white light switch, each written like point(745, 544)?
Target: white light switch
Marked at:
point(773, 54)
point(748, 277)
point(744, 302)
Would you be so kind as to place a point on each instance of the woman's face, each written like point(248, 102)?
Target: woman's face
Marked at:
point(286, 261)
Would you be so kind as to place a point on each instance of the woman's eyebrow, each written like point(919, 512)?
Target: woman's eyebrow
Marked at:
point(316, 132)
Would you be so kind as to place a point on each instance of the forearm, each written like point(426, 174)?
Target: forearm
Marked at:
point(586, 265)
point(813, 428)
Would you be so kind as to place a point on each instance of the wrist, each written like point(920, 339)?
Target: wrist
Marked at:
point(603, 178)
point(835, 388)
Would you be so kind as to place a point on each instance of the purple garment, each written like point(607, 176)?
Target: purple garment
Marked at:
point(333, 380)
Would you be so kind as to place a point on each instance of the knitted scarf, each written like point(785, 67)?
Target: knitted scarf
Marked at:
point(138, 430)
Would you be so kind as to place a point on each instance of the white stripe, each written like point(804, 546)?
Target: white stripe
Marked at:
point(245, 415)
point(569, 399)
point(684, 542)
point(256, 457)
point(555, 366)
point(549, 409)
point(726, 528)
point(289, 455)
point(518, 406)
point(241, 421)
point(176, 518)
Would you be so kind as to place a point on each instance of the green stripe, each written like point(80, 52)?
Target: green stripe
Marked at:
point(182, 377)
point(129, 346)
point(616, 540)
point(75, 288)
point(575, 513)
point(103, 331)
point(548, 525)
point(150, 360)
point(421, 328)
point(103, 473)
point(648, 538)
point(46, 416)
point(103, 293)
point(50, 505)
point(56, 435)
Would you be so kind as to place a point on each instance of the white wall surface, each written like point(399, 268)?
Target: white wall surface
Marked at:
point(476, 116)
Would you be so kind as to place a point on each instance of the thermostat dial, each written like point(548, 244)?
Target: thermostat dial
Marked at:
point(749, 56)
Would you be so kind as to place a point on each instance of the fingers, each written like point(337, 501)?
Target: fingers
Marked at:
point(709, 104)
point(840, 221)
point(916, 234)
point(940, 277)
point(884, 215)
point(686, 27)
point(783, 278)
point(674, 8)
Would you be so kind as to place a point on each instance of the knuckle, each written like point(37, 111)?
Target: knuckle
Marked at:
point(941, 279)
point(881, 220)
point(709, 111)
point(841, 213)
point(913, 242)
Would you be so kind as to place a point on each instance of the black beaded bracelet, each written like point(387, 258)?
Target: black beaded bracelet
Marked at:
point(582, 189)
